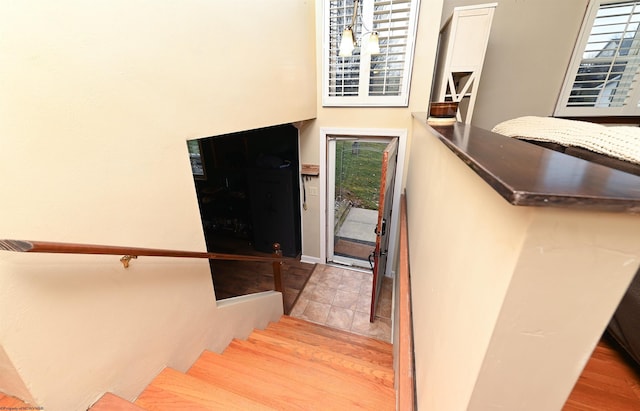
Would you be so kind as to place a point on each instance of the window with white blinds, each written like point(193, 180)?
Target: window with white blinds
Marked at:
point(364, 79)
point(602, 79)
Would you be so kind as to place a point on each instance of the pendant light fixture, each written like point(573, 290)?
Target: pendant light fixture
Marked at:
point(348, 41)
point(373, 45)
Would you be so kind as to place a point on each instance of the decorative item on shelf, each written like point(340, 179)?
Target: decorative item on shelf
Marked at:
point(442, 113)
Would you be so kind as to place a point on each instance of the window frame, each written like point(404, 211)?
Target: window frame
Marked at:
point(629, 108)
point(364, 99)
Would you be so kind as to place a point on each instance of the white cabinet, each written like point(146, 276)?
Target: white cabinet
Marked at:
point(461, 50)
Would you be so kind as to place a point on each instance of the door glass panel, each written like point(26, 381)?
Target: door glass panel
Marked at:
point(356, 197)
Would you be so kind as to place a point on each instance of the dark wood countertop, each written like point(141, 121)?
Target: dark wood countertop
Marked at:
point(528, 175)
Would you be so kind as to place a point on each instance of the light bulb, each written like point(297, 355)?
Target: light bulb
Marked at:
point(346, 43)
point(373, 45)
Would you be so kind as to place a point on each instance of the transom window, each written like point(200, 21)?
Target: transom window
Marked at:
point(602, 79)
point(366, 79)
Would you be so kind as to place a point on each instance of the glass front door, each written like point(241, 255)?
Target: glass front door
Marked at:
point(354, 190)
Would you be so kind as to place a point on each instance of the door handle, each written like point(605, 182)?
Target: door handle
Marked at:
point(384, 228)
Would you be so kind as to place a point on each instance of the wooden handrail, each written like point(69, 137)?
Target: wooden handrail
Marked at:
point(406, 371)
point(73, 248)
point(25, 246)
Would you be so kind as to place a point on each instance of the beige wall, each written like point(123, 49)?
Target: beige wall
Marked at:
point(572, 272)
point(528, 53)
point(354, 117)
point(461, 261)
point(508, 302)
point(96, 102)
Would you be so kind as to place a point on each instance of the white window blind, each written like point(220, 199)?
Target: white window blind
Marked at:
point(364, 79)
point(602, 79)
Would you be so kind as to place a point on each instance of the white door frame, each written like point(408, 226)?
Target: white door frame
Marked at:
point(325, 133)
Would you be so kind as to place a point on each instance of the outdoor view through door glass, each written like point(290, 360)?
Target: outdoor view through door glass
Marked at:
point(357, 193)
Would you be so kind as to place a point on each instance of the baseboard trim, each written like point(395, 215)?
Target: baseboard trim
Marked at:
point(310, 260)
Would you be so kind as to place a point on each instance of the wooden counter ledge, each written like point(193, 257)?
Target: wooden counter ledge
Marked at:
point(528, 175)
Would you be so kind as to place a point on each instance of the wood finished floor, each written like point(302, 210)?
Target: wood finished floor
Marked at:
point(235, 278)
point(608, 382)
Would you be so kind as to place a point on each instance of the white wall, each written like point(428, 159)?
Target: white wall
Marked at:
point(97, 100)
point(527, 57)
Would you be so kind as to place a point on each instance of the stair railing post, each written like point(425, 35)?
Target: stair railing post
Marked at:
point(277, 273)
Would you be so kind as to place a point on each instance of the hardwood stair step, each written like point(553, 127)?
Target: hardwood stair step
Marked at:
point(353, 387)
point(262, 386)
point(159, 400)
point(291, 365)
point(111, 402)
point(308, 335)
point(8, 402)
point(173, 390)
point(340, 362)
point(351, 338)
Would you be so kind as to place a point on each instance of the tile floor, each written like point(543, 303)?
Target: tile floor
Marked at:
point(340, 298)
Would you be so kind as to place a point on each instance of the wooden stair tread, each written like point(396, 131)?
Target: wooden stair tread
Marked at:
point(353, 387)
point(160, 400)
point(264, 387)
point(369, 343)
point(111, 402)
point(173, 390)
point(291, 365)
point(360, 340)
point(7, 402)
point(338, 361)
point(308, 336)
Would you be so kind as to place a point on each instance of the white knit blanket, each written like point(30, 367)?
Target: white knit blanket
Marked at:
point(619, 142)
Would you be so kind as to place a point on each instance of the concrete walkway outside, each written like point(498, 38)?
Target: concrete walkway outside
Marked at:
point(359, 225)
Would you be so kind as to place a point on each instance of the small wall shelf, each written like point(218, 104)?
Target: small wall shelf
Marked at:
point(310, 170)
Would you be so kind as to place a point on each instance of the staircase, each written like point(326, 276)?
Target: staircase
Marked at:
point(291, 365)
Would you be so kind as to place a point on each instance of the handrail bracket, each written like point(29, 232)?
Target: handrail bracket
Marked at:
point(125, 260)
